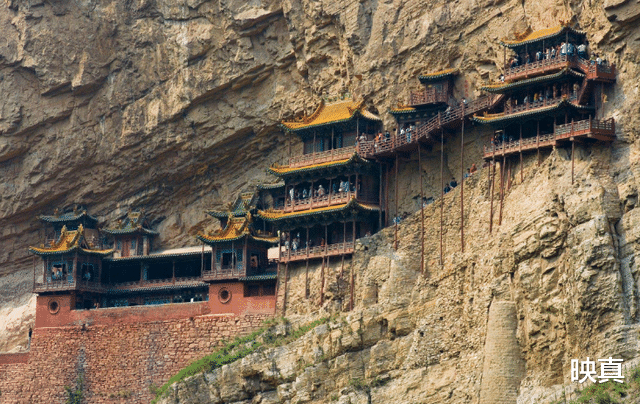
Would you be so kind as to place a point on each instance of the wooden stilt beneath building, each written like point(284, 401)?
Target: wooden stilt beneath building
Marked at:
point(395, 219)
point(462, 184)
point(504, 161)
point(492, 185)
point(421, 212)
point(441, 195)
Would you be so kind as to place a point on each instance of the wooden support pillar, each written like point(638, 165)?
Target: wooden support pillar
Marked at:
point(245, 256)
point(202, 261)
point(538, 140)
point(380, 199)
point(521, 165)
point(173, 273)
point(462, 184)
point(573, 145)
point(421, 211)
point(504, 161)
point(441, 194)
point(306, 272)
point(34, 273)
point(286, 280)
point(395, 219)
point(233, 256)
point(356, 184)
point(353, 277)
point(289, 148)
point(275, 303)
point(322, 282)
point(214, 251)
point(74, 272)
point(386, 195)
point(492, 173)
point(509, 175)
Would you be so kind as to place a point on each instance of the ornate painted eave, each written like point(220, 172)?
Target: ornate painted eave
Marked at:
point(505, 87)
point(277, 185)
point(530, 37)
point(439, 75)
point(329, 114)
point(502, 118)
point(68, 242)
point(236, 229)
point(403, 110)
point(353, 205)
point(283, 171)
point(243, 205)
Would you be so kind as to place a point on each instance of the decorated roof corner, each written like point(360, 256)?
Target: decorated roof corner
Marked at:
point(75, 215)
point(134, 223)
point(281, 171)
point(70, 241)
point(529, 36)
point(438, 75)
point(243, 204)
point(276, 185)
point(237, 228)
point(330, 113)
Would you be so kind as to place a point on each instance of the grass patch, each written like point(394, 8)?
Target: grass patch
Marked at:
point(238, 349)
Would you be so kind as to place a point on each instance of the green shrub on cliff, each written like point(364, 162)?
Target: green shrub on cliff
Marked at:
point(238, 349)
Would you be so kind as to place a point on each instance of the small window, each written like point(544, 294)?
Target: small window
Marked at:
point(59, 271)
point(227, 260)
point(269, 290)
point(87, 272)
point(133, 244)
point(252, 290)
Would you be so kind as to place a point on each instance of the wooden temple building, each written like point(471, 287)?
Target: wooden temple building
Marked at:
point(78, 273)
point(328, 194)
point(551, 95)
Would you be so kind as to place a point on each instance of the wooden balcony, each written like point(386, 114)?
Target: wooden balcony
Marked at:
point(330, 250)
point(225, 273)
point(66, 285)
point(409, 140)
point(330, 199)
point(427, 96)
point(59, 286)
point(322, 157)
point(592, 128)
point(593, 71)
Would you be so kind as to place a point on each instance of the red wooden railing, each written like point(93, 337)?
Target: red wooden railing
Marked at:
point(424, 131)
point(591, 69)
point(322, 157)
point(565, 131)
point(428, 96)
point(317, 252)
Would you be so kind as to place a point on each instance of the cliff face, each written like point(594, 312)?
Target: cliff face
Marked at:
point(173, 106)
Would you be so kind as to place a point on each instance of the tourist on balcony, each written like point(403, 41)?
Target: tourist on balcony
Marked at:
point(598, 60)
point(467, 174)
point(526, 99)
point(363, 137)
point(453, 183)
point(527, 58)
point(553, 52)
point(446, 189)
point(305, 194)
point(538, 56)
point(335, 188)
point(571, 49)
point(548, 93)
point(582, 51)
point(502, 78)
point(473, 169)
point(547, 54)
point(291, 193)
point(321, 191)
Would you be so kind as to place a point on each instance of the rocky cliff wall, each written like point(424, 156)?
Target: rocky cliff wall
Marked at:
point(158, 104)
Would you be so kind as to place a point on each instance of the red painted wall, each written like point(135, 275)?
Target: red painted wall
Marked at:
point(238, 304)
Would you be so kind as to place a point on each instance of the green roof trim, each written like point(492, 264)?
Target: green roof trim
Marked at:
point(529, 113)
point(354, 159)
point(536, 80)
point(263, 277)
point(541, 35)
point(67, 217)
